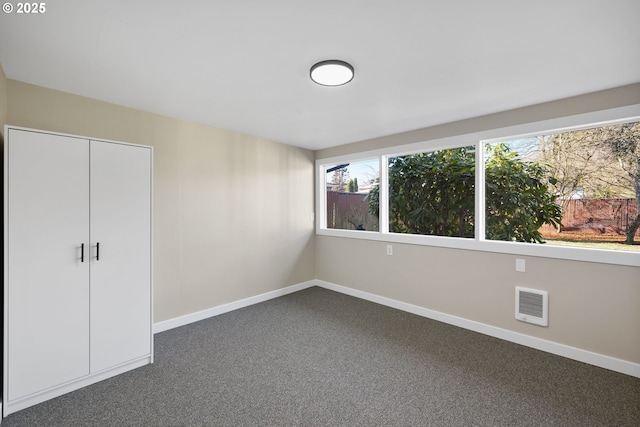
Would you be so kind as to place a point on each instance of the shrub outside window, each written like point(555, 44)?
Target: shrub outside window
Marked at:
point(432, 193)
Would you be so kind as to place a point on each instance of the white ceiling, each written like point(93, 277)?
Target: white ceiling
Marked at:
point(244, 65)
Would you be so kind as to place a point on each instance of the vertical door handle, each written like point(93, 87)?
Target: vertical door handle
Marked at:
point(82, 252)
point(98, 251)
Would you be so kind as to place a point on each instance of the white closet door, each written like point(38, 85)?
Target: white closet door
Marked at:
point(121, 269)
point(48, 286)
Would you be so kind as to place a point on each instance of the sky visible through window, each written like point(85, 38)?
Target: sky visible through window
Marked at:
point(366, 172)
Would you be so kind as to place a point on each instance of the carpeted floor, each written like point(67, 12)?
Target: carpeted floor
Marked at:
point(319, 358)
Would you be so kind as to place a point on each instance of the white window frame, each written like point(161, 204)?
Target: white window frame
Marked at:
point(479, 139)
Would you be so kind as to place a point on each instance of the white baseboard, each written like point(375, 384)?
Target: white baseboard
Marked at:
point(225, 308)
point(585, 356)
point(596, 359)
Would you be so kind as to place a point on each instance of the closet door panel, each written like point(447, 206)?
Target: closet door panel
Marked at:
point(121, 266)
point(48, 286)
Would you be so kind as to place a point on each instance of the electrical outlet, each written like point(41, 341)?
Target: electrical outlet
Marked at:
point(520, 265)
point(389, 249)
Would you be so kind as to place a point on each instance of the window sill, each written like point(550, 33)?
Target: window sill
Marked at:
point(625, 258)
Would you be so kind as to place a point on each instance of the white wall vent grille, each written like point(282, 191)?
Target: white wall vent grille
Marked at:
point(532, 306)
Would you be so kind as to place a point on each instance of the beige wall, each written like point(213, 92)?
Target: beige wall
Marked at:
point(595, 307)
point(232, 213)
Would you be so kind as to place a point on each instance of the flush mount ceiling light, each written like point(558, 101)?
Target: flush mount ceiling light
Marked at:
point(332, 73)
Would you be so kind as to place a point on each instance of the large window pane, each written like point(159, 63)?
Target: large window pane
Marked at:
point(433, 193)
point(348, 194)
point(572, 188)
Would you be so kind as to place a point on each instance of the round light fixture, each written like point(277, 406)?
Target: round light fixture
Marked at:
point(332, 73)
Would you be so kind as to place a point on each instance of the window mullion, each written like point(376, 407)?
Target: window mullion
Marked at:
point(321, 199)
point(480, 210)
point(383, 195)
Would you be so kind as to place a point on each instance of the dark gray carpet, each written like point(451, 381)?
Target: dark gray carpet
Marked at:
point(319, 358)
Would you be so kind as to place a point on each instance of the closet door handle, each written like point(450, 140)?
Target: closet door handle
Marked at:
point(98, 251)
point(82, 252)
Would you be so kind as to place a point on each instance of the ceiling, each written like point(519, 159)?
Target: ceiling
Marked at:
point(244, 65)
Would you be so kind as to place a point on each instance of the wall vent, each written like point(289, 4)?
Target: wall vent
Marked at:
point(532, 306)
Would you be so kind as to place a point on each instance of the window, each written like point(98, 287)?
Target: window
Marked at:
point(559, 187)
point(519, 198)
point(570, 188)
point(348, 190)
point(432, 193)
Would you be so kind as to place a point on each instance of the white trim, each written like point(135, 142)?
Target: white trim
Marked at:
point(383, 196)
point(585, 356)
point(511, 248)
point(321, 200)
point(479, 213)
point(176, 322)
